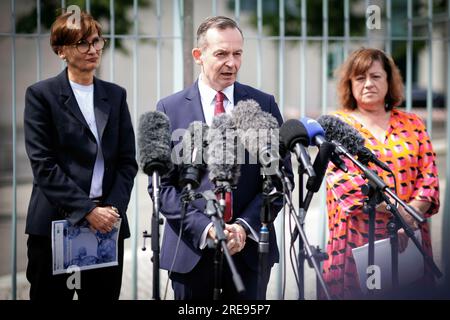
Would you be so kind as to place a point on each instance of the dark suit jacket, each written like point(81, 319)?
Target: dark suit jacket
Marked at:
point(182, 108)
point(62, 152)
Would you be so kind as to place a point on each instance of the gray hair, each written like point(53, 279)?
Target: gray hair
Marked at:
point(217, 22)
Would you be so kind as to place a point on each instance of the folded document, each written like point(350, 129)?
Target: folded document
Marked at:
point(80, 248)
point(410, 263)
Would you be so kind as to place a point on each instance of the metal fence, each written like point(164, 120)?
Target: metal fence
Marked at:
point(434, 28)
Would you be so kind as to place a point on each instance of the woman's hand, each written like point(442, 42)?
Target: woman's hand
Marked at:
point(402, 240)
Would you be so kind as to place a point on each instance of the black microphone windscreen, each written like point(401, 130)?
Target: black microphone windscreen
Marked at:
point(345, 134)
point(154, 143)
point(293, 132)
point(222, 150)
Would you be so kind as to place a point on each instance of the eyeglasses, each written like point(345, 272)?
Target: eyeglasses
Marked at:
point(84, 46)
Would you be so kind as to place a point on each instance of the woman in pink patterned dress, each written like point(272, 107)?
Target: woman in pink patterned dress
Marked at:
point(370, 88)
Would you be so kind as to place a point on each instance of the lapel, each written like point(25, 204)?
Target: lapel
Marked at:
point(239, 93)
point(101, 107)
point(194, 105)
point(69, 99)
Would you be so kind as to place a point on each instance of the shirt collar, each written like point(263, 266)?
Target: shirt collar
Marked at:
point(209, 94)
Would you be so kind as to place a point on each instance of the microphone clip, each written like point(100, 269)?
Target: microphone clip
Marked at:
point(223, 188)
point(188, 195)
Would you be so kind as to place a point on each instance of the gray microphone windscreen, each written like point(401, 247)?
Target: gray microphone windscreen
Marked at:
point(195, 143)
point(222, 150)
point(251, 121)
point(345, 134)
point(154, 143)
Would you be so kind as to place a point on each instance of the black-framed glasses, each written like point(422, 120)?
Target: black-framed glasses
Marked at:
point(83, 46)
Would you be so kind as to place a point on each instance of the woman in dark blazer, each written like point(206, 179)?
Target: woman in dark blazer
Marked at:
point(80, 142)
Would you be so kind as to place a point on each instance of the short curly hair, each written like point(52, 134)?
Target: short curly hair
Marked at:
point(358, 63)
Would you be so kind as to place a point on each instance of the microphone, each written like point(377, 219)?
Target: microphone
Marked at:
point(345, 134)
point(295, 137)
point(366, 156)
point(326, 151)
point(251, 121)
point(316, 136)
point(224, 170)
point(154, 143)
point(222, 161)
point(194, 143)
point(350, 138)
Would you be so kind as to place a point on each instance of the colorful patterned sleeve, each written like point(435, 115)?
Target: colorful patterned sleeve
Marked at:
point(427, 183)
point(345, 188)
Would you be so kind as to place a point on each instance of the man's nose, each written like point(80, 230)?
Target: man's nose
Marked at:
point(231, 61)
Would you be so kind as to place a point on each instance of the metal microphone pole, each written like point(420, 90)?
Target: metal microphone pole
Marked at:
point(370, 203)
point(392, 228)
point(301, 244)
point(307, 248)
point(385, 192)
point(214, 210)
point(263, 245)
point(155, 233)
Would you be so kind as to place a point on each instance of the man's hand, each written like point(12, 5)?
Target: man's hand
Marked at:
point(102, 218)
point(236, 237)
point(235, 234)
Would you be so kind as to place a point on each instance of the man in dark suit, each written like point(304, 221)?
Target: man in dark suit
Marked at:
point(218, 53)
point(80, 141)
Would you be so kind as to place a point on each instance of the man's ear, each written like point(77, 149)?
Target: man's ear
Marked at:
point(197, 55)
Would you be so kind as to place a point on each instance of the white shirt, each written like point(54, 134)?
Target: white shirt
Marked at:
point(85, 99)
point(208, 100)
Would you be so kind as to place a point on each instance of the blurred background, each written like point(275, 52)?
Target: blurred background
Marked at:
point(291, 50)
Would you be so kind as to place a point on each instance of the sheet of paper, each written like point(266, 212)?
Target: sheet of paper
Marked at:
point(410, 263)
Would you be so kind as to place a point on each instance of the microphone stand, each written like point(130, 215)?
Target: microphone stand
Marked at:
point(263, 245)
point(316, 252)
point(301, 243)
point(370, 203)
point(214, 210)
point(309, 252)
point(397, 222)
point(385, 192)
point(155, 233)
